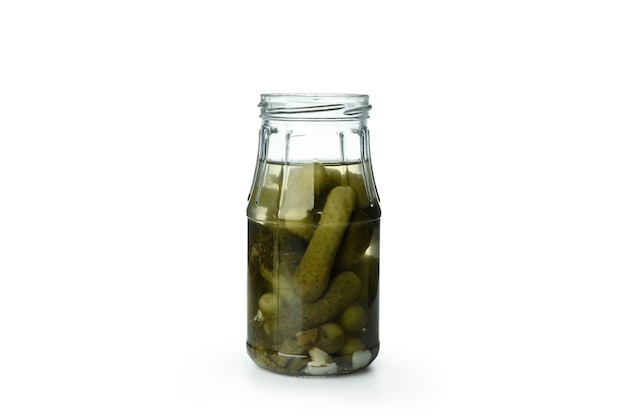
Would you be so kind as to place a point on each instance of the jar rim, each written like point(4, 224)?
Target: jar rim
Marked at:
point(314, 106)
point(349, 95)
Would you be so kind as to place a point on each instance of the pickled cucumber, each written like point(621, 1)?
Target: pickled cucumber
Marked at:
point(351, 345)
point(356, 240)
point(342, 291)
point(358, 185)
point(307, 189)
point(268, 304)
point(353, 319)
point(311, 276)
point(331, 337)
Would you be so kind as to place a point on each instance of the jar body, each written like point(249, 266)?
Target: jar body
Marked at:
point(313, 239)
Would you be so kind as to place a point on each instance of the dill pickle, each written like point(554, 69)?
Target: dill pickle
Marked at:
point(342, 291)
point(355, 241)
point(353, 319)
point(311, 276)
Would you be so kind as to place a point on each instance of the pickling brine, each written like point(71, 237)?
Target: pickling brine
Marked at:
point(313, 261)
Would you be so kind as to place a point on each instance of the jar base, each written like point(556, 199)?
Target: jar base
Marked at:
point(305, 366)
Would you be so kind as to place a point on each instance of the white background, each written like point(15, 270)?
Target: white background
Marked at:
point(128, 133)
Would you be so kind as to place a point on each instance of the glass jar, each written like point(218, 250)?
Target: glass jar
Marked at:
point(313, 237)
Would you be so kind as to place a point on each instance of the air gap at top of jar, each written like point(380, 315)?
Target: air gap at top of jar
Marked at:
point(313, 237)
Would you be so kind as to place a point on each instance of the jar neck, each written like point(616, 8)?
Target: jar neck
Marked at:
point(306, 130)
point(328, 142)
